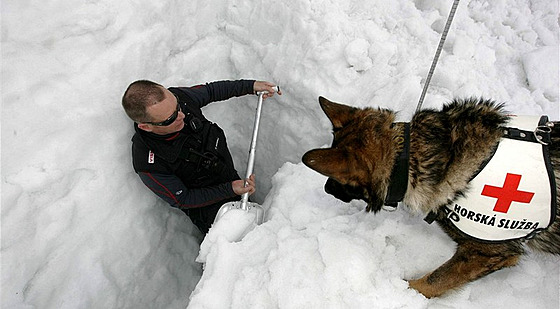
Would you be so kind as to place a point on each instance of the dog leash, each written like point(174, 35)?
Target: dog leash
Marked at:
point(438, 52)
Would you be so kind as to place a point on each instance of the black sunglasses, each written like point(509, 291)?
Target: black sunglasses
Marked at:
point(171, 118)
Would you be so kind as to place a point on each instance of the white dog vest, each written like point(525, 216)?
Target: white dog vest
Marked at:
point(514, 195)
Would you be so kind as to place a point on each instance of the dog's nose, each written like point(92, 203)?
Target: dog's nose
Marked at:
point(308, 159)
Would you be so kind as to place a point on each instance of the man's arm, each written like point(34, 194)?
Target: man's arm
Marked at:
point(172, 190)
point(218, 91)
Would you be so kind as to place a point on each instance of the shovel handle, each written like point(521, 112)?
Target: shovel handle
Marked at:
point(252, 150)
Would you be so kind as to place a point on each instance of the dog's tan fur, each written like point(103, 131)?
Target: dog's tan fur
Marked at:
point(447, 147)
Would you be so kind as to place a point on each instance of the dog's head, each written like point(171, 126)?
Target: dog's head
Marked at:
point(361, 157)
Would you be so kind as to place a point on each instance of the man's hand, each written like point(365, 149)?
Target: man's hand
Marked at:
point(265, 86)
point(239, 189)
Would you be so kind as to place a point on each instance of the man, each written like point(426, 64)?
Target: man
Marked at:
point(180, 155)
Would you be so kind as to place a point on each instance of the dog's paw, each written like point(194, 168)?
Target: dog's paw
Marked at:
point(424, 288)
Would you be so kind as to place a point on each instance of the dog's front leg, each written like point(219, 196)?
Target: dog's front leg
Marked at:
point(470, 262)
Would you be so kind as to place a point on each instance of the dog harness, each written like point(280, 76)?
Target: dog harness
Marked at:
point(514, 195)
point(399, 174)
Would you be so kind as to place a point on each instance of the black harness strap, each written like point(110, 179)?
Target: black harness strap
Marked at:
point(399, 174)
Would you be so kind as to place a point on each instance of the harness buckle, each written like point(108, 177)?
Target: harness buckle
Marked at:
point(542, 134)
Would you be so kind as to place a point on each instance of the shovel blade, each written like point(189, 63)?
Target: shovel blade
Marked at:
point(252, 208)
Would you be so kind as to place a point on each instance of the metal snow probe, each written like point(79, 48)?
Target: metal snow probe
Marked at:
point(244, 204)
point(438, 52)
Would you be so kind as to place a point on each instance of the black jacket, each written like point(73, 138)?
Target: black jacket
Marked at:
point(193, 167)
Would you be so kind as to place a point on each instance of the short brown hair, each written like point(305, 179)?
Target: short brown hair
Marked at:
point(139, 95)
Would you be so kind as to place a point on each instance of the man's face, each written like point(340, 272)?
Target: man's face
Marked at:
point(162, 111)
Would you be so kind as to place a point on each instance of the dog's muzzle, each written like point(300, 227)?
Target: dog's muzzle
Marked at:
point(345, 193)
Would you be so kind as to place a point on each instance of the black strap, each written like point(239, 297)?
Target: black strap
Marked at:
point(540, 135)
point(431, 217)
point(399, 175)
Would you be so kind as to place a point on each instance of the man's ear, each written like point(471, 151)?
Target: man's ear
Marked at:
point(145, 126)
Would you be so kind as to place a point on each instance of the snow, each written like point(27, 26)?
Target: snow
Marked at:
point(79, 230)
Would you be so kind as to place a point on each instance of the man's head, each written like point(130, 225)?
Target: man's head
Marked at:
point(153, 107)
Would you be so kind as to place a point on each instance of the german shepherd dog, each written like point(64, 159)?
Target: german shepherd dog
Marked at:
point(447, 147)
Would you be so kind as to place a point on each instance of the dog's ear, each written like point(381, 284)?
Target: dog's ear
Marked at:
point(338, 114)
point(330, 162)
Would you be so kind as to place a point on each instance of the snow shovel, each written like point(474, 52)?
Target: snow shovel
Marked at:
point(244, 204)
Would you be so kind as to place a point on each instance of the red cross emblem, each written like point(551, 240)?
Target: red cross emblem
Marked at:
point(508, 193)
